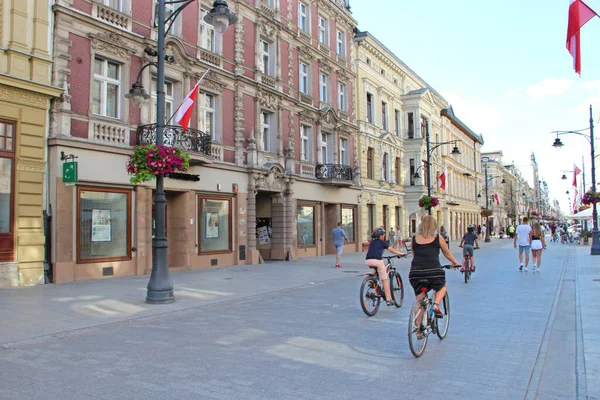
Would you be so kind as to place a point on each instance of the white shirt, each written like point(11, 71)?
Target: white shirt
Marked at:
point(523, 235)
point(483, 229)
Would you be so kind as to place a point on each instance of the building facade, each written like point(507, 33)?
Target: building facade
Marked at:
point(25, 94)
point(271, 139)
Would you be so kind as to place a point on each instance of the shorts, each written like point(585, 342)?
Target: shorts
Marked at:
point(436, 278)
point(537, 245)
point(524, 249)
point(339, 250)
point(381, 270)
point(468, 250)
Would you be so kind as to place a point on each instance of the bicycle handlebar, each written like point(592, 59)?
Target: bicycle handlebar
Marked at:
point(450, 266)
point(394, 256)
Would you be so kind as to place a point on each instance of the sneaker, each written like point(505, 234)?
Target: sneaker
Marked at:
point(525, 269)
point(538, 269)
point(521, 267)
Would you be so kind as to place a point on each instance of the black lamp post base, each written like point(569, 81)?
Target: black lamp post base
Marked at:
point(487, 240)
point(595, 250)
point(160, 296)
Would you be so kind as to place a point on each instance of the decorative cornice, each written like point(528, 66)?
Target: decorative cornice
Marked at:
point(13, 94)
point(112, 43)
point(30, 165)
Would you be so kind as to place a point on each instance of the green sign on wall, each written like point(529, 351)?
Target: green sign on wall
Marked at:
point(70, 172)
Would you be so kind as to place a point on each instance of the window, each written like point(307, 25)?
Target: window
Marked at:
point(215, 224)
point(371, 215)
point(397, 170)
point(104, 224)
point(395, 81)
point(342, 105)
point(382, 71)
point(411, 126)
point(397, 122)
point(324, 88)
point(271, 3)
point(304, 85)
point(169, 9)
point(324, 153)
point(384, 115)
point(368, 61)
point(344, 151)
point(265, 122)
point(107, 88)
point(207, 34)
point(369, 108)
point(384, 167)
point(116, 4)
point(265, 57)
point(305, 132)
point(398, 224)
point(7, 160)
point(424, 126)
point(370, 152)
point(323, 31)
point(169, 100)
point(303, 16)
point(412, 171)
point(341, 43)
point(207, 114)
point(348, 222)
point(306, 226)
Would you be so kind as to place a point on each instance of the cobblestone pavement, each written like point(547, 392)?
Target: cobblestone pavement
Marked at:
point(296, 331)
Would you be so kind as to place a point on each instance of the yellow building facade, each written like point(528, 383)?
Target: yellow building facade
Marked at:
point(25, 93)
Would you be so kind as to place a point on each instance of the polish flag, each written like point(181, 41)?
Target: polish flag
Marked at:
point(576, 171)
point(579, 15)
point(442, 180)
point(497, 199)
point(184, 113)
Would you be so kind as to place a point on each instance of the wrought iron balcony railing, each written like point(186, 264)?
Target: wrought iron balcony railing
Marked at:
point(334, 171)
point(191, 140)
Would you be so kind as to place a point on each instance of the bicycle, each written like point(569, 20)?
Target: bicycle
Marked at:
point(423, 309)
point(467, 266)
point(371, 290)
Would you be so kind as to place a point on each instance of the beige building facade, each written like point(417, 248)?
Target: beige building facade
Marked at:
point(25, 94)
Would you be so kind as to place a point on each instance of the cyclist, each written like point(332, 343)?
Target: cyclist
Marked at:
point(375, 259)
point(426, 246)
point(467, 242)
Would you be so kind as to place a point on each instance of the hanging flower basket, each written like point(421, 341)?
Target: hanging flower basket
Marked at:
point(427, 202)
point(486, 213)
point(152, 160)
point(590, 197)
point(583, 208)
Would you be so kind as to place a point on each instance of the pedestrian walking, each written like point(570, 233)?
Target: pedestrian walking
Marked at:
point(339, 239)
point(483, 230)
point(392, 238)
point(398, 238)
point(444, 235)
point(523, 240)
point(538, 244)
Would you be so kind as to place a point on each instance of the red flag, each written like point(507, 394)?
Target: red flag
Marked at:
point(579, 15)
point(497, 199)
point(575, 201)
point(576, 171)
point(184, 114)
point(442, 180)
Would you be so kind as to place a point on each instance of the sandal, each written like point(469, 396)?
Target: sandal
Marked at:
point(420, 331)
point(436, 310)
point(390, 303)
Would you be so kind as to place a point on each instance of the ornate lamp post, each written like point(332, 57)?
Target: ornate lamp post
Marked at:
point(595, 250)
point(160, 287)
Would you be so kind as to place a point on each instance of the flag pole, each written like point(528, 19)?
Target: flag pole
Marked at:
point(197, 83)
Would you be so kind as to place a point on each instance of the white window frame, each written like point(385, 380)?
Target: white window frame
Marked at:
point(265, 127)
point(169, 99)
point(105, 81)
point(304, 15)
point(208, 112)
point(324, 87)
point(370, 109)
point(343, 151)
point(118, 8)
point(324, 155)
point(340, 43)
point(304, 77)
point(265, 57)
point(397, 118)
point(323, 30)
point(305, 132)
point(206, 31)
point(342, 103)
point(169, 8)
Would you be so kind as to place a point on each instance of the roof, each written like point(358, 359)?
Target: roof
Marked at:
point(449, 112)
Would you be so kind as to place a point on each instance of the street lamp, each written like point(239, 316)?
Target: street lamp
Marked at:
point(595, 249)
point(160, 287)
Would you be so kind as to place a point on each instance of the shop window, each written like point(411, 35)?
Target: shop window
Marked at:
point(7, 159)
point(215, 224)
point(104, 224)
point(306, 226)
point(348, 222)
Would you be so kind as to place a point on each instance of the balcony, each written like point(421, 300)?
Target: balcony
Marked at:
point(304, 36)
point(111, 16)
point(305, 98)
point(210, 58)
point(334, 174)
point(193, 141)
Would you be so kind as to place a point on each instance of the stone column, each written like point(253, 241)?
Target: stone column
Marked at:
point(143, 230)
point(279, 221)
point(291, 230)
point(252, 253)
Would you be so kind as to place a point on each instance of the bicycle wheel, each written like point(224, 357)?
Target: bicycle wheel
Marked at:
point(467, 270)
point(369, 300)
point(397, 288)
point(444, 323)
point(417, 320)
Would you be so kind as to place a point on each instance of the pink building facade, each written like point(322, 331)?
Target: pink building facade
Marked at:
point(271, 138)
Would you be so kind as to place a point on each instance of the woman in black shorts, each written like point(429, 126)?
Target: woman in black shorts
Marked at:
point(426, 247)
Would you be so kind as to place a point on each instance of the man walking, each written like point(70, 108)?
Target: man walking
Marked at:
point(523, 241)
point(339, 239)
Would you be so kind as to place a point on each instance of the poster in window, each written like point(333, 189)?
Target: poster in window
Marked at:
point(263, 235)
point(101, 226)
point(212, 225)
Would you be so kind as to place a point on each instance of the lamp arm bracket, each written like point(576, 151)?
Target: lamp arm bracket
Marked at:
point(436, 145)
point(171, 18)
point(579, 132)
point(137, 79)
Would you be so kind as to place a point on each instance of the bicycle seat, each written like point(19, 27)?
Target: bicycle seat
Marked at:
point(423, 285)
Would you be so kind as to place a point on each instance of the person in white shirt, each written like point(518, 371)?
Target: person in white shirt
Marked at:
point(483, 230)
point(523, 240)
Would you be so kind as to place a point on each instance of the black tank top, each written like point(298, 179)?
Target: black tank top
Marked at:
point(426, 256)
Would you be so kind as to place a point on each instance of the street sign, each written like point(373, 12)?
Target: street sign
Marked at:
point(70, 172)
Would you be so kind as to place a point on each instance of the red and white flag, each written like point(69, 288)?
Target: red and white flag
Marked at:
point(576, 171)
point(579, 14)
point(575, 201)
point(497, 198)
point(442, 180)
point(184, 113)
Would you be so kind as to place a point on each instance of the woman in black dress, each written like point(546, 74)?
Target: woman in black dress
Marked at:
point(426, 246)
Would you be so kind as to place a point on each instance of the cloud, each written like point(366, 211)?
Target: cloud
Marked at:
point(513, 92)
point(477, 116)
point(549, 87)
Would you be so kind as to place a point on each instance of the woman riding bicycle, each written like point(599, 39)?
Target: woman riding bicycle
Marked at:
point(375, 259)
point(468, 243)
point(426, 246)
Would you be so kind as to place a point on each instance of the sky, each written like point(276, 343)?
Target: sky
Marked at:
point(506, 71)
